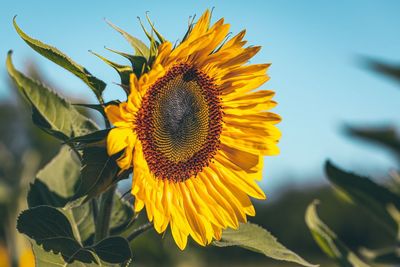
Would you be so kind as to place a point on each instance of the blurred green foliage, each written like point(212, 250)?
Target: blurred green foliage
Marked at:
point(24, 149)
point(380, 199)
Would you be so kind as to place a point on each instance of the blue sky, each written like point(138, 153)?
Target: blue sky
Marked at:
point(315, 48)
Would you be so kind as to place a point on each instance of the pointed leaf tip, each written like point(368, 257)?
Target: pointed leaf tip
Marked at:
point(123, 70)
point(140, 48)
point(58, 57)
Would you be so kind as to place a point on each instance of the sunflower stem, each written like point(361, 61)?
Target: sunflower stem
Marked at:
point(104, 214)
point(140, 230)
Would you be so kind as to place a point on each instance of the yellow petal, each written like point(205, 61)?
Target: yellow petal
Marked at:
point(226, 193)
point(113, 113)
point(125, 160)
point(206, 209)
point(118, 139)
point(199, 227)
point(179, 236)
point(215, 192)
point(252, 144)
point(243, 183)
point(201, 26)
point(139, 204)
point(246, 161)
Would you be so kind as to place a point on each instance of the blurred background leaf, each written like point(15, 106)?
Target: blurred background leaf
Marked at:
point(389, 70)
point(386, 137)
point(329, 242)
point(373, 197)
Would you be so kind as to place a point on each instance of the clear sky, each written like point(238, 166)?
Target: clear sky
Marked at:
point(315, 49)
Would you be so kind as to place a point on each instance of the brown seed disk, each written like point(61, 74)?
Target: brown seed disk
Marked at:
point(179, 123)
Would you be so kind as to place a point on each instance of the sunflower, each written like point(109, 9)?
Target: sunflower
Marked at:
point(195, 132)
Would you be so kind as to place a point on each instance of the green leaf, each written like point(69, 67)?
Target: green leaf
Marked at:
point(51, 112)
point(386, 137)
point(51, 229)
point(329, 242)
point(140, 48)
point(98, 173)
point(253, 237)
point(113, 250)
point(49, 259)
point(376, 199)
point(46, 190)
point(62, 60)
point(121, 215)
point(123, 71)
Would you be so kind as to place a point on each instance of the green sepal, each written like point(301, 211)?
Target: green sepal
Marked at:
point(161, 39)
point(189, 30)
point(139, 63)
point(140, 48)
point(123, 71)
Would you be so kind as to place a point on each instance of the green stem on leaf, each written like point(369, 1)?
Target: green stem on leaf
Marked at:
point(102, 103)
point(138, 231)
point(95, 209)
point(104, 214)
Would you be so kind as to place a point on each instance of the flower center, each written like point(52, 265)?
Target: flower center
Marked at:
point(179, 123)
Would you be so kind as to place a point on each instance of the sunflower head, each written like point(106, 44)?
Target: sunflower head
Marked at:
point(195, 132)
